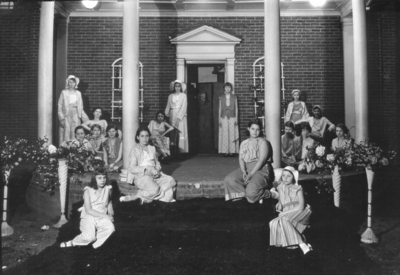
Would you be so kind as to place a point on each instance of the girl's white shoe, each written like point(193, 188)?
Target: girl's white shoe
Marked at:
point(305, 247)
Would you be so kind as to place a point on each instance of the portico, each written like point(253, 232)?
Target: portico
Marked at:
point(209, 44)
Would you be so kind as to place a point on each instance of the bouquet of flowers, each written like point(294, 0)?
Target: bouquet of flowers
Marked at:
point(370, 156)
point(340, 157)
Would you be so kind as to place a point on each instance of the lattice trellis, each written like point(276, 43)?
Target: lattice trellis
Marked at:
point(258, 88)
point(116, 90)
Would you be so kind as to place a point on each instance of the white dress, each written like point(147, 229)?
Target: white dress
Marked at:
point(176, 108)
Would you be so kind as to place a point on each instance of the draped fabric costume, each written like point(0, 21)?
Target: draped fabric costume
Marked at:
point(296, 112)
point(95, 229)
point(176, 109)
point(160, 142)
point(257, 187)
point(228, 141)
point(287, 229)
point(113, 150)
point(150, 187)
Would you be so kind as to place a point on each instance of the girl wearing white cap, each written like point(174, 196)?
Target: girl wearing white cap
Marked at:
point(176, 110)
point(297, 109)
point(286, 230)
point(70, 109)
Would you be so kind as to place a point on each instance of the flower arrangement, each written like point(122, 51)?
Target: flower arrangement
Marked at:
point(370, 156)
point(326, 162)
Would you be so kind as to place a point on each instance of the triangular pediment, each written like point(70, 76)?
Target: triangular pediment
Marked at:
point(205, 34)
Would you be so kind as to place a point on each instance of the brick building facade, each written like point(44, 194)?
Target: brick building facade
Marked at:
point(311, 48)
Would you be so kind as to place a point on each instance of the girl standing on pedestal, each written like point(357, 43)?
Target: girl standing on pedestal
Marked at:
point(176, 110)
point(228, 142)
point(297, 109)
point(70, 109)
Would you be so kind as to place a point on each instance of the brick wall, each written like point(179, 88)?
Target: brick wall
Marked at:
point(311, 52)
point(383, 75)
point(19, 30)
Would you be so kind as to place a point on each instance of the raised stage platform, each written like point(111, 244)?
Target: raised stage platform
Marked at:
point(196, 176)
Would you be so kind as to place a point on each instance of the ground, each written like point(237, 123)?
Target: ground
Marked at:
point(208, 236)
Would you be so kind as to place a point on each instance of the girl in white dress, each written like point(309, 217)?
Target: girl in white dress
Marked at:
point(176, 111)
point(145, 172)
point(97, 213)
point(294, 215)
point(70, 109)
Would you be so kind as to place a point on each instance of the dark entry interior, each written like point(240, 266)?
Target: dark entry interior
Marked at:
point(206, 79)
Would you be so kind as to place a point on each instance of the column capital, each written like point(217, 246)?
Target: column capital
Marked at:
point(230, 61)
point(347, 21)
point(180, 61)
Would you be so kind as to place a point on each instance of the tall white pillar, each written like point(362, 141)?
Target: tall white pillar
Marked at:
point(348, 60)
point(180, 69)
point(45, 71)
point(230, 71)
point(360, 70)
point(61, 61)
point(130, 85)
point(272, 74)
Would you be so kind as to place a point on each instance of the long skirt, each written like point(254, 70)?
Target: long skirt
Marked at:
point(228, 140)
point(286, 230)
point(94, 229)
point(183, 130)
point(151, 188)
point(255, 190)
point(162, 144)
point(71, 122)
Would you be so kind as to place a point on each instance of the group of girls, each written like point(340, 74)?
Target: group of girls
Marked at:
point(96, 223)
point(253, 182)
point(105, 140)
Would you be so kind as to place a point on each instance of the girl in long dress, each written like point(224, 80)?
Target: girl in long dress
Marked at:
point(70, 109)
point(297, 109)
point(145, 172)
point(228, 141)
point(112, 148)
point(97, 114)
point(255, 175)
point(97, 213)
point(286, 230)
point(158, 129)
point(176, 111)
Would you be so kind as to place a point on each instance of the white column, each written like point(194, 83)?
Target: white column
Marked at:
point(360, 70)
point(61, 60)
point(130, 84)
point(45, 71)
point(348, 60)
point(230, 71)
point(272, 79)
point(180, 69)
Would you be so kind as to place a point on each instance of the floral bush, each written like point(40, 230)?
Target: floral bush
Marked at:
point(45, 158)
point(12, 152)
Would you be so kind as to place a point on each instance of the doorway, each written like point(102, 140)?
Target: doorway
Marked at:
point(204, 87)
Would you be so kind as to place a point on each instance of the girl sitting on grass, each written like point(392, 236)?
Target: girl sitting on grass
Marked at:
point(286, 230)
point(97, 213)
